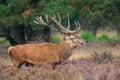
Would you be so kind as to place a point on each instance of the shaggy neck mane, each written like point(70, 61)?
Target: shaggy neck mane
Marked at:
point(64, 50)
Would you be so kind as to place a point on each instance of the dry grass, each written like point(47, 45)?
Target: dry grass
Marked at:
point(98, 66)
point(84, 69)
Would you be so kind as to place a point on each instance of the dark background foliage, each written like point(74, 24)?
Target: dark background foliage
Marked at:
point(17, 16)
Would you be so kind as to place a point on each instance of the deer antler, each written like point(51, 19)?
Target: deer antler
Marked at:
point(40, 21)
point(60, 28)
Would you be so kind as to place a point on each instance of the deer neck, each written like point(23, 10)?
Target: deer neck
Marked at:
point(65, 50)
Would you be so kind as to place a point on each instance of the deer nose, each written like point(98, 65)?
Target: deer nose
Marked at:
point(83, 43)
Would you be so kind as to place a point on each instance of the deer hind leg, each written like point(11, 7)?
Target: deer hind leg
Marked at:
point(15, 62)
point(26, 63)
point(54, 65)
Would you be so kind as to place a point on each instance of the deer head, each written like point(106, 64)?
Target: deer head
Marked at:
point(69, 35)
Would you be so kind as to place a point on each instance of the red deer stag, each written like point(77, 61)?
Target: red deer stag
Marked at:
point(47, 53)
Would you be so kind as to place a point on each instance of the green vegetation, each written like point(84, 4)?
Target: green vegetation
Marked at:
point(117, 57)
point(104, 38)
point(55, 39)
point(88, 36)
point(118, 36)
point(3, 41)
point(17, 16)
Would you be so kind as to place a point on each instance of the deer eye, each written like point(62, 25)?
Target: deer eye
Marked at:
point(74, 40)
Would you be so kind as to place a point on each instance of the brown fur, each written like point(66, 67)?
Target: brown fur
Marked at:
point(46, 53)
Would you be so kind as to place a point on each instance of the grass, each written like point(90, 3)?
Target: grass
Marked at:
point(84, 69)
point(104, 38)
point(4, 41)
point(55, 39)
point(99, 66)
point(119, 35)
point(117, 57)
point(88, 36)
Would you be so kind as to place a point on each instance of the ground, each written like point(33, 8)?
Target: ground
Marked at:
point(93, 61)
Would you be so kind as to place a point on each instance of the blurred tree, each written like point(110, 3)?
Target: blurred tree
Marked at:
point(17, 16)
point(97, 13)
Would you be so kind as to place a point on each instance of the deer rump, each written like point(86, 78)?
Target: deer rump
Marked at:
point(34, 54)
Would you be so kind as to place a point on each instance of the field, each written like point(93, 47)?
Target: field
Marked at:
point(93, 61)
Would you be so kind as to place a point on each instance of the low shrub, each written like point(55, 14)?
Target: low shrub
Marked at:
point(117, 57)
point(118, 36)
point(2, 41)
point(88, 36)
point(55, 39)
point(101, 58)
point(104, 38)
point(100, 66)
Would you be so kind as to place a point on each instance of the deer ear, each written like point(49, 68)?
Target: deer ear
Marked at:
point(65, 37)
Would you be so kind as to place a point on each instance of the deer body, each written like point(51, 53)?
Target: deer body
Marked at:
point(47, 53)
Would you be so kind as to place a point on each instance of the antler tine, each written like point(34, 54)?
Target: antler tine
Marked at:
point(75, 23)
point(77, 29)
point(68, 22)
point(47, 18)
point(53, 15)
point(59, 17)
point(37, 20)
point(58, 23)
point(79, 26)
point(66, 30)
point(40, 21)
